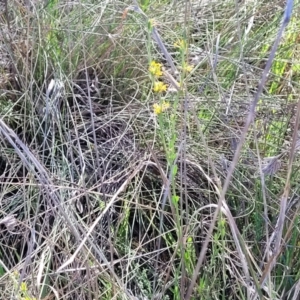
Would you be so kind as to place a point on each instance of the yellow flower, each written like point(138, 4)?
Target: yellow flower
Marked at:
point(181, 44)
point(155, 69)
point(159, 87)
point(187, 68)
point(159, 108)
point(23, 287)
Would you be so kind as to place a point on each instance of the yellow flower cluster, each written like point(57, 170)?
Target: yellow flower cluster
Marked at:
point(23, 287)
point(155, 69)
point(181, 44)
point(159, 87)
point(187, 68)
point(24, 291)
point(158, 108)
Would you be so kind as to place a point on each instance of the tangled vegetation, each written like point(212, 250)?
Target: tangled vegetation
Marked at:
point(122, 174)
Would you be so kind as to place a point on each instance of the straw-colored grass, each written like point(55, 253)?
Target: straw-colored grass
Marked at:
point(132, 164)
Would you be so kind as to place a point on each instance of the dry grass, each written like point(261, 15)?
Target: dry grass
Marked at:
point(101, 198)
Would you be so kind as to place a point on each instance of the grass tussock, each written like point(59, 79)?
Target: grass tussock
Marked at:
point(132, 165)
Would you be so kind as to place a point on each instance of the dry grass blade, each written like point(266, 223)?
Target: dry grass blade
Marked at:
point(240, 244)
point(277, 248)
point(147, 150)
point(248, 122)
point(107, 207)
point(36, 168)
point(9, 221)
point(271, 165)
point(294, 292)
